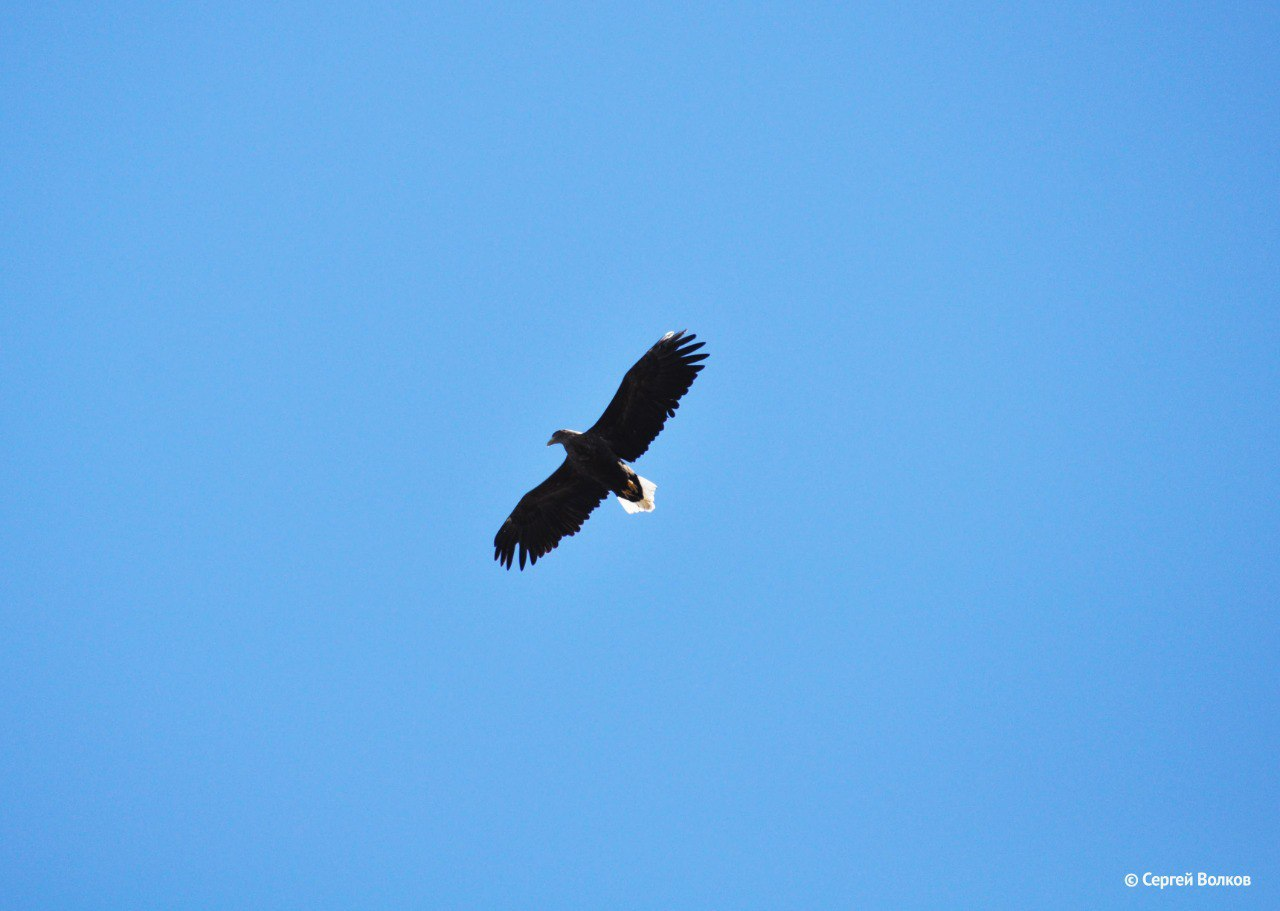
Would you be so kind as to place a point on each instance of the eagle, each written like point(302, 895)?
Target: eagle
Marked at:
point(595, 462)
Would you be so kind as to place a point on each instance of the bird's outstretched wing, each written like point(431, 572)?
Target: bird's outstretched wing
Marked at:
point(649, 394)
point(555, 508)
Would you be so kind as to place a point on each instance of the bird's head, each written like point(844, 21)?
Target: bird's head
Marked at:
point(561, 437)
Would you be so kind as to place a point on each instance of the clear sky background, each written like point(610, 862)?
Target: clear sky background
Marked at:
point(961, 590)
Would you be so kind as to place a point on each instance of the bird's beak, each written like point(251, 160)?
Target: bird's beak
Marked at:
point(551, 442)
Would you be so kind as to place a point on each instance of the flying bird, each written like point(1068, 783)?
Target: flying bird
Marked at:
point(595, 462)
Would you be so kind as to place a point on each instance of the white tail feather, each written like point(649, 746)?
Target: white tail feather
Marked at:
point(647, 487)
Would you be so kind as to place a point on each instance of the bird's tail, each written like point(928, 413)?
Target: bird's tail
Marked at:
point(645, 503)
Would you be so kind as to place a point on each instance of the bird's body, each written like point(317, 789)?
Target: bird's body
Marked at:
point(591, 457)
point(595, 463)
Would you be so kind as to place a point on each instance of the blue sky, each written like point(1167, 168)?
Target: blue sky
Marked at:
point(961, 587)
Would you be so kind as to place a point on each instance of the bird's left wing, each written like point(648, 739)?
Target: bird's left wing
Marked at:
point(554, 509)
point(650, 393)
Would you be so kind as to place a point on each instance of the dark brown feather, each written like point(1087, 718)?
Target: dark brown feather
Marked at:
point(650, 393)
point(554, 509)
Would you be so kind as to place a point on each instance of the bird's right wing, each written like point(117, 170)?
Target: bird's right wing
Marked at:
point(555, 508)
